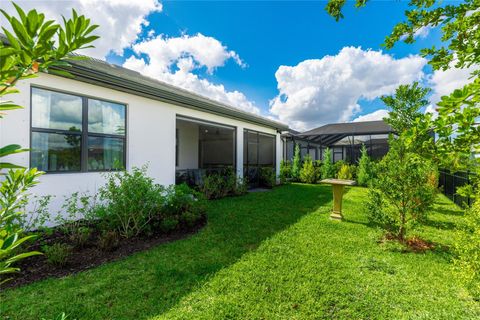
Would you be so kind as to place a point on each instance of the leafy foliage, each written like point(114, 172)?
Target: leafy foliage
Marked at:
point(267, 177)
point(296, 166)
point(57, 254)
point(328, 170)
point(307, 173)
point(13, 198)
point(468, 250)
point(346, 172)
point(365, 168)
point(221, 184)
point(285, 171)
point(37, 45)
point(401, 193)
point(129, 201)
point(405, 106)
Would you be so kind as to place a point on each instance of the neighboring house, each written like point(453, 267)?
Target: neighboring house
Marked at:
point(108, 117)
point(344, 140)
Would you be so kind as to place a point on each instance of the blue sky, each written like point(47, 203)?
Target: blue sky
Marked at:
point(289, 61)
point(267, 34)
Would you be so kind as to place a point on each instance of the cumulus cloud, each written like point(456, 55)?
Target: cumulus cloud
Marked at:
point(373, 116)
point(445, 82)
point(120, 21)
point(327, 90)
point(174, 61)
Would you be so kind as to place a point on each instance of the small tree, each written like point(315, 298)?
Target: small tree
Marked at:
point(364, 173)
point(296, 163)
point(402, 192)
point(328, 170)
point(307, 173)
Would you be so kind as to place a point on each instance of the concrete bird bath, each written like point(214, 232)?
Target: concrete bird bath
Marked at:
point(337, 185)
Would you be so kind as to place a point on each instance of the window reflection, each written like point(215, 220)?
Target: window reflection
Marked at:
point(54, 110)
point(106, 117)
point(56, 152)
point(105, 153)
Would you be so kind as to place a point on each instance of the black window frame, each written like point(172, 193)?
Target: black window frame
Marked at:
point(84, 134)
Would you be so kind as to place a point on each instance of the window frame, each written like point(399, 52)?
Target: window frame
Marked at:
point(84, 134)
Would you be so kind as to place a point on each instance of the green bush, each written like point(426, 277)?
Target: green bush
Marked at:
point(80, 236)
point(168, 224)
point(328, 171)
point(214, 186)
point(219, 185)
point(57, 254)
point(267, 177)
point(346, 172)
point(285, 171)
point(129, 201)
point(468, 249)
point(365, 168)
point(108, 240)
point(296, 166)
point(307, 173)
point(401, 193)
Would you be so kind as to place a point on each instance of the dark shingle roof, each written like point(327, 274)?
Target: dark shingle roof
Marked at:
point(350, 128)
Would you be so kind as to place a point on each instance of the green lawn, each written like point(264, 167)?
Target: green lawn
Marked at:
point(272, 255)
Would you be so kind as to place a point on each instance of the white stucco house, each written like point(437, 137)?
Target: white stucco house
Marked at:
point(108, 116)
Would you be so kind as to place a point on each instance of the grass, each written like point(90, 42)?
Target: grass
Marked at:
point(272, 255)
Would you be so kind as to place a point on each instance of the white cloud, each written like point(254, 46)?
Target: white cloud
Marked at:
point(328, 90)
point(173, 60)
point(120, 21)
point(373, 116)
point(422, 32)
point(445, 82)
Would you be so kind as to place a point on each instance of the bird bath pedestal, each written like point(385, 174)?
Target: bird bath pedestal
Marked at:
point(337, 185)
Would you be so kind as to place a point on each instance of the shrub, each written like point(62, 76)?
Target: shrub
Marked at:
point(296, 166)
point(241, 186)
point(77, 211)
point(213, 186)
point(365, 168)
point(267, 177)
point(129, 201)
point(57, 254)
point(468, 249)
point(307, 173)
point(182, 204)
point(108, 240)
point(13, 198)
point(346, 172)
point(401, 194)
point(38, 216)
point(219, 185)
point(285, 171)
point(168, 224)
point(327, 167)
point(80, 236)
point(337, 166)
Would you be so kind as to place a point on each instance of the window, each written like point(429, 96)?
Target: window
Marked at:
point(71, 133)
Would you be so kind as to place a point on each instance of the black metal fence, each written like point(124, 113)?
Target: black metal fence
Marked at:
point(450, 181)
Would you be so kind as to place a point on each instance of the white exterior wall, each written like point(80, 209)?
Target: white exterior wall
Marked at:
point(150, 135)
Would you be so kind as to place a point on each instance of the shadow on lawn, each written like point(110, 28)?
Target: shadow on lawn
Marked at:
point(149, 283)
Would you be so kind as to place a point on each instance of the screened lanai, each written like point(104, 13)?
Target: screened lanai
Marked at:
point(201, 148)
point(344, 140)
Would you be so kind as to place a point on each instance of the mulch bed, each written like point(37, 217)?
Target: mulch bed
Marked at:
point(36, 268)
